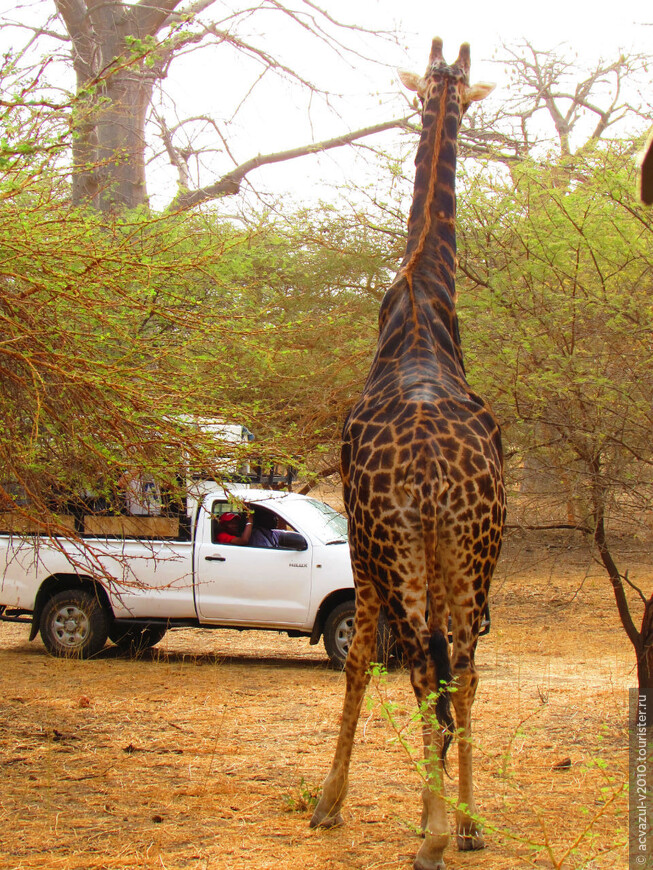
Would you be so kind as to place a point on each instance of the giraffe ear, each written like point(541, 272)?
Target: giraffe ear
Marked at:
point(479, 91)
point(412, 81)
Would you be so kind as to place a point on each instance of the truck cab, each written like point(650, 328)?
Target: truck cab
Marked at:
point(132, 578)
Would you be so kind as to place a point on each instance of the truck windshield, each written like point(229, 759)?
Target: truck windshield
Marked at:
point(325, 523)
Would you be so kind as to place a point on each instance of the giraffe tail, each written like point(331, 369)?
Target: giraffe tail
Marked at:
point(428, 467)
point(439, 650)
point(438, 643)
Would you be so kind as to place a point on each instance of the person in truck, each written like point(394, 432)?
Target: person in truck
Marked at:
point(231, 530)
point(266, 533)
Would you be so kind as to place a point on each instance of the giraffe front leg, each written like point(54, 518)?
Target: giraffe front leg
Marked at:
point(334, 790)
point(327, 812)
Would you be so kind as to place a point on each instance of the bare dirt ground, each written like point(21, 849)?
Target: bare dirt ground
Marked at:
point(206, 752)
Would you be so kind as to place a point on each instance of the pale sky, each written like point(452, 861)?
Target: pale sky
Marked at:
point(591, 28)
point(277, 116)
point(281, 117)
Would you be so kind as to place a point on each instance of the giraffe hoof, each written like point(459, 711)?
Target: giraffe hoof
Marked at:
point(430, 854)
point(428, 865)
point(470, 840)
point(321, 820)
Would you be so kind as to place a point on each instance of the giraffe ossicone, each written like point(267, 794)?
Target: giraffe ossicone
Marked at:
point(422, 472)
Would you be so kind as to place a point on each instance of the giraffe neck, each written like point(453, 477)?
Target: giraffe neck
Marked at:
point(418, 325)
point(431, 245)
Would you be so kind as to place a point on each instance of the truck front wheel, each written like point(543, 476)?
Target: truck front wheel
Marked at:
point(74, 624)
point(338, 633)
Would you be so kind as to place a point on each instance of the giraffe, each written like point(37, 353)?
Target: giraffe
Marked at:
point(422, 469)
point(646, 172)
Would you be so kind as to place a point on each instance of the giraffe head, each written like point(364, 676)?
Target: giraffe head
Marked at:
point(438, 69)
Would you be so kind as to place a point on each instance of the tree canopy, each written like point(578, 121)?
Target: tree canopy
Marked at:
point(121, 327)
point(271, 319)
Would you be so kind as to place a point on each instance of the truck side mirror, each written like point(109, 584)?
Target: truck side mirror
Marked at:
point(292, 541)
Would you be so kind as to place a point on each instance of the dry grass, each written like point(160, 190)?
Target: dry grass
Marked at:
point(205, 753)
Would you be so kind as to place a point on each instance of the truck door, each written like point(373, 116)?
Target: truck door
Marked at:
point(249, 585)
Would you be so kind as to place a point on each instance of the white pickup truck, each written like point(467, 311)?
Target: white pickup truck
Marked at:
point(130, 578)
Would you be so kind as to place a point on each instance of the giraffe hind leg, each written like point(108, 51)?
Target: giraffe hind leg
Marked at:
point(469, 835)
point(439, 651)
point(427, 658)
point(362, 650)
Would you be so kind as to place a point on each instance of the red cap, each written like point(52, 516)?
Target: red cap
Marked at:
point(228, 517)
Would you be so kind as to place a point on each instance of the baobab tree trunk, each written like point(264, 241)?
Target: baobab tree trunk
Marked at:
point(120, 130)
point(114, 89)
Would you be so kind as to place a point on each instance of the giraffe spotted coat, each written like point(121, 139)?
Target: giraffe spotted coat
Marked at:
point(423, 483)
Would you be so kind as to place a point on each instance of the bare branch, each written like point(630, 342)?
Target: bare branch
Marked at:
point(178, 159)
point(230, 183)
point(545, 81)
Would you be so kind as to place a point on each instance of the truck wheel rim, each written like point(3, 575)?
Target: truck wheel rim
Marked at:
point(71, 626)
point(344, 634)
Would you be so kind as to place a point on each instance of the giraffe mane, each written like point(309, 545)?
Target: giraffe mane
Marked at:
point(426, 227)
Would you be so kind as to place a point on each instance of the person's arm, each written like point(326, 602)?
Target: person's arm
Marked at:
point(243, 539)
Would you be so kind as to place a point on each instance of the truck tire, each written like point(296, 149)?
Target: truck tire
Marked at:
point(338, 633)
point(134, 639)
point(74, 624)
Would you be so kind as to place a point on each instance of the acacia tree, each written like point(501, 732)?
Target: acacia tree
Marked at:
point(313, 284)
point(117, 333)
point(559, 286)
point(557, 108)
point(102, 332)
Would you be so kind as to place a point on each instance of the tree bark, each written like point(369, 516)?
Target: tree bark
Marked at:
point(121, 140)
point(645, 656)
point(641, 640)
point(114, 87)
